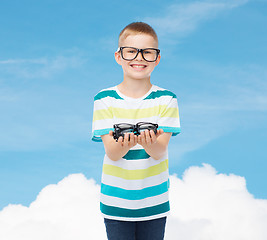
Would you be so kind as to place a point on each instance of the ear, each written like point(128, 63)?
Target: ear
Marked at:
point(158, 60)
point(117, 56)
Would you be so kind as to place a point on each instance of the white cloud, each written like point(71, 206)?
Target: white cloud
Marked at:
point(211, 206)
point(24, 61)
point(183, 18)
point(205, 206)
point(67, 210)
point(43, 67)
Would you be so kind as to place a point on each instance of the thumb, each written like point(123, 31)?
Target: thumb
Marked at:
point(159, 132)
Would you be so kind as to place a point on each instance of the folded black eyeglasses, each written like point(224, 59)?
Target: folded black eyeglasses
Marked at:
point(122, 128)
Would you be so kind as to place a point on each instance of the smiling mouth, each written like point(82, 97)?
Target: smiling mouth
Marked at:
point(139, 66)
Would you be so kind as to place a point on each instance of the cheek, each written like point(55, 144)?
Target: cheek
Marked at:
point(124, 65)
point(151, 67)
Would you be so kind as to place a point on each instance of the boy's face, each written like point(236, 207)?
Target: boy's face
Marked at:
point(138, 68)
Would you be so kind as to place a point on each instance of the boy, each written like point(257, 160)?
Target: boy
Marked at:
point(135, 178)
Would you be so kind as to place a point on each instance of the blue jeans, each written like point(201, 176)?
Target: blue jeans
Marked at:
point(139, 230)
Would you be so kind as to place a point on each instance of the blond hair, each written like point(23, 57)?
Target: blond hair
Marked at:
point(137, 28)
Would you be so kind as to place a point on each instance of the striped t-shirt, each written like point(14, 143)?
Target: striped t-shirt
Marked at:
point(135, 188)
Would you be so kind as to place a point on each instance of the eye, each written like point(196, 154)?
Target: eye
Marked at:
point(130, 50)
point(148, 52)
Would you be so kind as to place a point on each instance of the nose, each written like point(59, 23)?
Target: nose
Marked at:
point(139, 56)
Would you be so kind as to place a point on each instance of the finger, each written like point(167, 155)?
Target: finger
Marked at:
point(111, 134)
point(141, 138)
point(126, 138)
point(132, 139)
point(153, 136)
point(135, 139)
point(134, 142)
point(159, 132)
point(148, 137)
point(120, 140)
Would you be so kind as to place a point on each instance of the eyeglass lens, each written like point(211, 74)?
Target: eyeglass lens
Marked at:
point(149, 54)
point(144, 126)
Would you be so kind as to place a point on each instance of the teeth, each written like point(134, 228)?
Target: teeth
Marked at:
point(138, 66)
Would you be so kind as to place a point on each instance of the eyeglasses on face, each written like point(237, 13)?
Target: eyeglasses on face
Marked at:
point(130, 53)
point(122, 128)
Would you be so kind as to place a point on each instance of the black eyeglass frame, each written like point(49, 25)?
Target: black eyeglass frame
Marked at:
point(136, 129)
point(141, 51)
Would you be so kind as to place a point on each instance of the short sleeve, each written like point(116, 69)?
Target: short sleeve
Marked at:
point(169, 119)
point(102, 119)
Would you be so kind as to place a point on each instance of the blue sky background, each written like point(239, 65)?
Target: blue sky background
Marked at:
point(56, 55)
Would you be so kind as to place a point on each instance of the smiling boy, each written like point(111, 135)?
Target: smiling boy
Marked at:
point(135, 177)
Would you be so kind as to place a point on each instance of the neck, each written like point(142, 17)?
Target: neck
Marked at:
point(134, 88)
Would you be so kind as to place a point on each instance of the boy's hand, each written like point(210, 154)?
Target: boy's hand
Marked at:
point(116, 150)
point(147, 138)
point(129, 140)
point(154, 144)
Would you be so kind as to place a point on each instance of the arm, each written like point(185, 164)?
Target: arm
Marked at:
point(154, 145)
point(116, 150)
